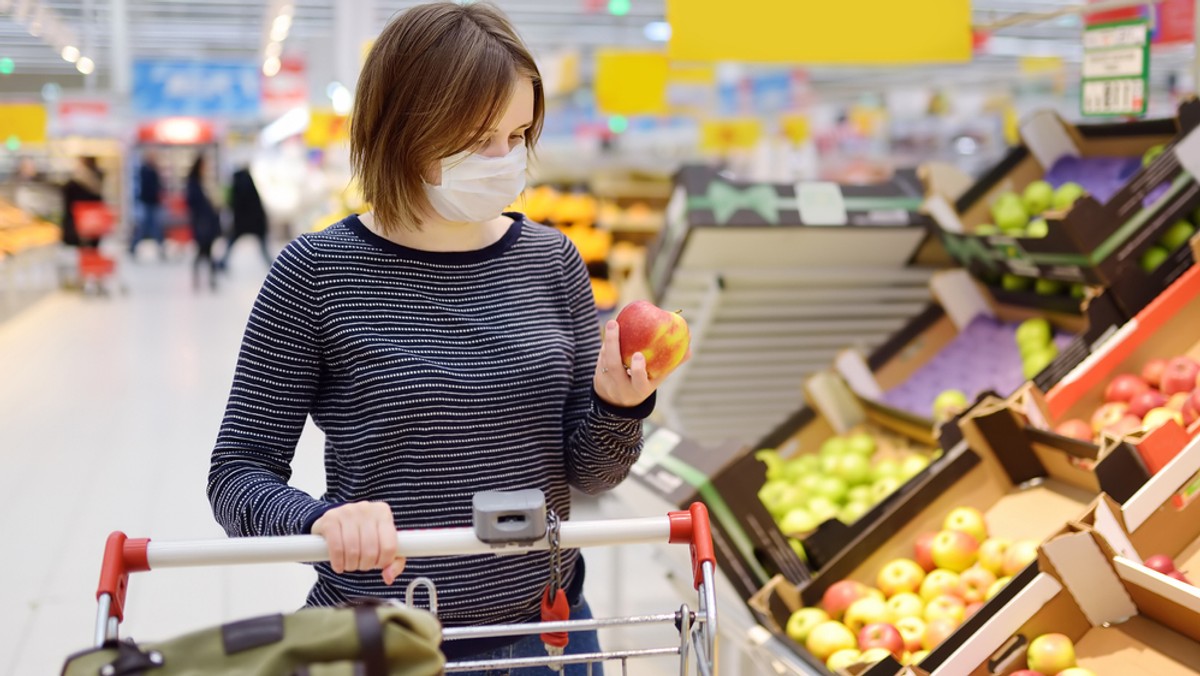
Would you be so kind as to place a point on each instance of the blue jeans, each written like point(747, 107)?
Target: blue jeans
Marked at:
point(149, 226)
point(531, 646)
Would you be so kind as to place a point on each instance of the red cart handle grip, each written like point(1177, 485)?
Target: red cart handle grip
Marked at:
point(693, 527)
point(122, 556)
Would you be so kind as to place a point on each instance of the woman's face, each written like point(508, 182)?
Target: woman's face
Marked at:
point(509, 132)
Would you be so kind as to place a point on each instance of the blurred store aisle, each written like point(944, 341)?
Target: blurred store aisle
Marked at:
point(109, 409)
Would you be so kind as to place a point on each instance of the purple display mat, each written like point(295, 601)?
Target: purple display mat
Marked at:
point(982, 357)
point(1101, 177)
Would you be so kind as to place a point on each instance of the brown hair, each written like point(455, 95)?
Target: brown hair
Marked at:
point(437, 79)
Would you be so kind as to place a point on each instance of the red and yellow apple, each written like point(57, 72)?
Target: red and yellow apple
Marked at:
point(899, 576)
point(1152, 372)
point(662, 337)
point(1075, 429)
point(840, 595)
point(1108, 415)
point(881, 635)
point(973, 608)
point(991, 554)
point(1050, 653)
point(1191, 408)
point(974, 583)
point(937, 631)
point(1124, 388)
point(827, 638)
point(967, 520)
point(1147, 401)
point(918, 657)
point(1158, 417)
point(1180, 375)
point(912, 630)
point(939, 583)
point(874, 655)
point(865, 611)
point(802, 622)
point(954, 551)
point(1020, 554)
point(905, 605)
point(923, 550)
point(1076, 671)
point(948, 607)
point(996, 587)
point(843, 659)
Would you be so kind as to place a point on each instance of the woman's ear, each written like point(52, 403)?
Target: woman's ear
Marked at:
point(433, 174)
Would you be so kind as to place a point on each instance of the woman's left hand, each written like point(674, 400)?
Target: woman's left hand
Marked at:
point(620, 386)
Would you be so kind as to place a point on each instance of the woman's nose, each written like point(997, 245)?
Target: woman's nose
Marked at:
point(495, 148)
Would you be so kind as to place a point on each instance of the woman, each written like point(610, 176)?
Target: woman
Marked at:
point(443, 347)
point(83, 186)
point(206, 223)
point(249, 217)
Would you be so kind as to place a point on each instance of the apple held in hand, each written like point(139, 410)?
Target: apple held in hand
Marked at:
point(955, 551)
point(1180, 375)
point(827, 638)
point(1125, 387)
point(967, 520)
point(662, 337)
point(881, 635)
point(803, 621)
point(1050, 654)
point(900, 576)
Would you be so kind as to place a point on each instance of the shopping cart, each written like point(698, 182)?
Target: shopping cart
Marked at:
point(94, 221)
point(504, 524)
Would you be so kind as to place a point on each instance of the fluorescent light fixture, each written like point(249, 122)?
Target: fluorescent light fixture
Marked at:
point(280, 27)
point(657, 31)
point(273, 50)
point(343, 101)
point(85, 65)
point(271, 66)
point(70, 54)
point(293, 122)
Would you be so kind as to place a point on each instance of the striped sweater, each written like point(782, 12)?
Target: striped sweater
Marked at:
point(434, 376)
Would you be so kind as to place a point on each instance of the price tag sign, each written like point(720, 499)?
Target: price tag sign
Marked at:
point(1116, 69)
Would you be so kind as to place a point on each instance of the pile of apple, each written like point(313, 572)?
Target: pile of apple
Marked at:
point(843, 480)
point(1176, 236)
point(1163, 564)
point(1020, 215)
point(1167, 389)
point(1051, 655)
point(918, 602)
point(1035, 342)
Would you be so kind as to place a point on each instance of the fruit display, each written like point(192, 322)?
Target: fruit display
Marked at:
point(1176, 236)
point(1164, 564)
point(1019, 215)
point(844, 479)
point(20, 231)
point(1164, 390)
point(916, 602)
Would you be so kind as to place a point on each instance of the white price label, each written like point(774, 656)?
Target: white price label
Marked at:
point(1125, 96)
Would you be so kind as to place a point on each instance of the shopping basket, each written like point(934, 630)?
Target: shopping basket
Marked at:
point(505, 523)
point(93, 221)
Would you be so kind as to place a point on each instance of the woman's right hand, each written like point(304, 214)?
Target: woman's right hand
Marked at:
point(361, 536)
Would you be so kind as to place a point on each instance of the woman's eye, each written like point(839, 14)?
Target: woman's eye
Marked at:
point(517, 137)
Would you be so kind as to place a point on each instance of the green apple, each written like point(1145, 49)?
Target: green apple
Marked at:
point(1047, 287)
point(1154, 257)
point(1037, 361)
point(949, 404)
point(913, 465)
point(884, 469)
point(1078, 291)
point(798, 521)
point(853, 511)
point(798, 548)
point(1066, 195)
point(1038, 228)
point(986, 230)
point(1011, 218)
point(883, 488)
point(822, 508)
point(770, 457)
point(834, 446)
point(1011, 282)
point(1038, 196)
point(809, 483)
point(1152, 154)
point(862, 444)
point(779, 497)
point(802, 622)
point(1177, 235)
point(853, 469)
point(798, 468)
point(832, 488)
point(1033, 333)
point(859, 494)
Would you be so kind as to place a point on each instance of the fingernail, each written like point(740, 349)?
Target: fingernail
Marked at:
point(611, 325)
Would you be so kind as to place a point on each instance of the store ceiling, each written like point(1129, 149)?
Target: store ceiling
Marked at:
point(234, 29)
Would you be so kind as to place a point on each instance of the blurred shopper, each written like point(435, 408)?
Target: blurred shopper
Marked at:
point(445, 348)
point(249, 217)
point(206, 223)
point(84, 185)
point(149, 198)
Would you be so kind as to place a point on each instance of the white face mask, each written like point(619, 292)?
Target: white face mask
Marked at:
point(476, 188)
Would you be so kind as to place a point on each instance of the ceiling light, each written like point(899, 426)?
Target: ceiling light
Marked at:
point(286, 8)
point(70, 54)
point(657, 31)
point(85, 65)
point(271, 66)
point(273, 50)
point(280, 28)
point(342, 100)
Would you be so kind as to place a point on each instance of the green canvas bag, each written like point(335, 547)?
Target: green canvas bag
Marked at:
point(363, 640)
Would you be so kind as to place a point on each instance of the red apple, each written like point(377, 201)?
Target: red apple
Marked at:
point(1176, 575)
point(954, 551)
point(1158, 417)
point(1050, 653)
point(1075, 429)
point(1126, 425)
point(662, 337)
point(1108, 415)
point(1020, 554)
point(841, 595)
point(937, 631)
point(1152, 372)
point(947, 606)
point(1124, 388)
point(974, 583)
point(912, 630)
point(1180, 375)
point(973, 608)
point(881, 635)
point(899, 576)
point(1191, 408)
point(1144, 402)
point(923, 551)
point(1177, 401)
point(1161, 563)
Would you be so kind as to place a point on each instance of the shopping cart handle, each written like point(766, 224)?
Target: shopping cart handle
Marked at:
point(693, 527)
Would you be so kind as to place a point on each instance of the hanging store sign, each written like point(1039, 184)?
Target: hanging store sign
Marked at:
point(196, 88)
point(1116, 69)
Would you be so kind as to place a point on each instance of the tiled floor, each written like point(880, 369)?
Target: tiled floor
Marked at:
point(108, 410)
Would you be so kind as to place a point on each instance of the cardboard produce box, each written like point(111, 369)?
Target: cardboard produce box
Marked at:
point(968, 343)
point(748, 546)
point(1167, 328)
point(1015, 507)
point(1127, 210)
point(1121, 617)
point(798, 452)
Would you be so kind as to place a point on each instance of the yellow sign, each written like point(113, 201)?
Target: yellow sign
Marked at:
point(726, 135)
point(875, 32)
point(1041, 65)
point(326, 128)
point(631, 82)
point(795, 128)
point(692, 73)
point(24, 121)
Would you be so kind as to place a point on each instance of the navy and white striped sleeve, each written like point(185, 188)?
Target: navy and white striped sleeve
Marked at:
point(602, 441)
point(274, 387)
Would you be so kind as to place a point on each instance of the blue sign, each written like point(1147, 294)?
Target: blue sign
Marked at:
point(196, 88)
